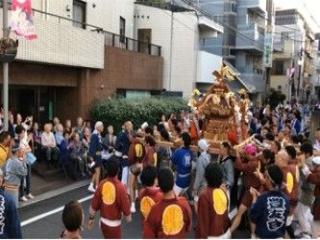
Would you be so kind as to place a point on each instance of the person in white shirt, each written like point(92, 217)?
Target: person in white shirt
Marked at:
point(49, 145)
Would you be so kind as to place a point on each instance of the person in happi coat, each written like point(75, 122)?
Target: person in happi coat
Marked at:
point(112, 200)
point(172, 216)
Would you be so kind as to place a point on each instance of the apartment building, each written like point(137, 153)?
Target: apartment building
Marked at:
point(180, 30)
point(242, 43)
point(294, 55)
point(85, 51)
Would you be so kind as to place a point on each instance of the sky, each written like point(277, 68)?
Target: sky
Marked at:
point(309, 8)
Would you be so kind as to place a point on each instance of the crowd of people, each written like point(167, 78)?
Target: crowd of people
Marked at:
point(272, 178)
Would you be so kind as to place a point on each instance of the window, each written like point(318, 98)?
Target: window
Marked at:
point(144, 38)
point(122, 30)
point(79, 14)
point(278, 68)
point(285, 36)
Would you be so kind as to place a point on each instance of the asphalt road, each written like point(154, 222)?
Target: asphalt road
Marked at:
point(43, 220)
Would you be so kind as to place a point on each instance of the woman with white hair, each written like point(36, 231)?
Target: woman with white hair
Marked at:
point(95, 149)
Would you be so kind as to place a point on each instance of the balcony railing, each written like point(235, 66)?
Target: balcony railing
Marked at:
point(118, 41)
point(250, 37)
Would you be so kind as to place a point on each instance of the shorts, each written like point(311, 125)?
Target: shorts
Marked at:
point(178, 190)
point(136, 169)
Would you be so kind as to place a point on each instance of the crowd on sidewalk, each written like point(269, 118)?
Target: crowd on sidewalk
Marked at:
point(272, 179)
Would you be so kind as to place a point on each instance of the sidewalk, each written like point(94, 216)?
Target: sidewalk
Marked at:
point(46, 184)
point(44, 189)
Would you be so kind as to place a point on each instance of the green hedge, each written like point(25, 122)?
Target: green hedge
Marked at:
point(140, 110)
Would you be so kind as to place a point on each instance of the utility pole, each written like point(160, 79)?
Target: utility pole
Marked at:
point(5, 68)
point(171, 45)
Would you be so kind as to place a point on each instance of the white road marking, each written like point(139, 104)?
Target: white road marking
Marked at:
point(54, 211)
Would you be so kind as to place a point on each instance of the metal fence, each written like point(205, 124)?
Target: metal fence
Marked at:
point(123, 42)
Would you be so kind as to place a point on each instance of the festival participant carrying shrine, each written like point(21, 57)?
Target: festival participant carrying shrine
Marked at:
point(213, 219)
point(150, 194)
point(172, 216)
point(112, 201)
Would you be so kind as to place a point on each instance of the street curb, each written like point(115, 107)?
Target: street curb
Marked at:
point(54, 193)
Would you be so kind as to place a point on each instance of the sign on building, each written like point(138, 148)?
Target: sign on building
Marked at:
point(268, 49)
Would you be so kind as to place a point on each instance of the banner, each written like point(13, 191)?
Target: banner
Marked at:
point(21, 22)
point(268, 49)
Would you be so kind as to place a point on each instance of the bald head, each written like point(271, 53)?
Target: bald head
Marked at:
point(282, 158)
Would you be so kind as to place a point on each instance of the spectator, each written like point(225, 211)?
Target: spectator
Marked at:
point(94, 154)
point(56, 122)
point(72, 218)
point(86, 142)
point(9, 218)
point(11, 125)
point(87, 124)
point(49, 145)
point(64, 154)
point(68, 126)
point(16, 169)
point(18, 121)
point(76, 154)
point(124, 137)
point(36, 134)
point(79, 128)
point(270, 210)
point(59, 134)
point(25, 191)
point(110, 139)
point(5, 140)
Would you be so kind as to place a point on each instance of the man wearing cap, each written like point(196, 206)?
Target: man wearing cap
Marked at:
point(9, 218)
point(15, 170)
point(94, 154)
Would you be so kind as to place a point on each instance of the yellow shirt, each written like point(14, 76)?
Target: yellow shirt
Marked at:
point(3, 155)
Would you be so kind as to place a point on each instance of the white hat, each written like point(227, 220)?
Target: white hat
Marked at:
point(316, 160)
point(144, 125)
point(203, 145)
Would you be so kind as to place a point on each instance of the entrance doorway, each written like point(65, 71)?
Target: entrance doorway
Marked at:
point(38, 102)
